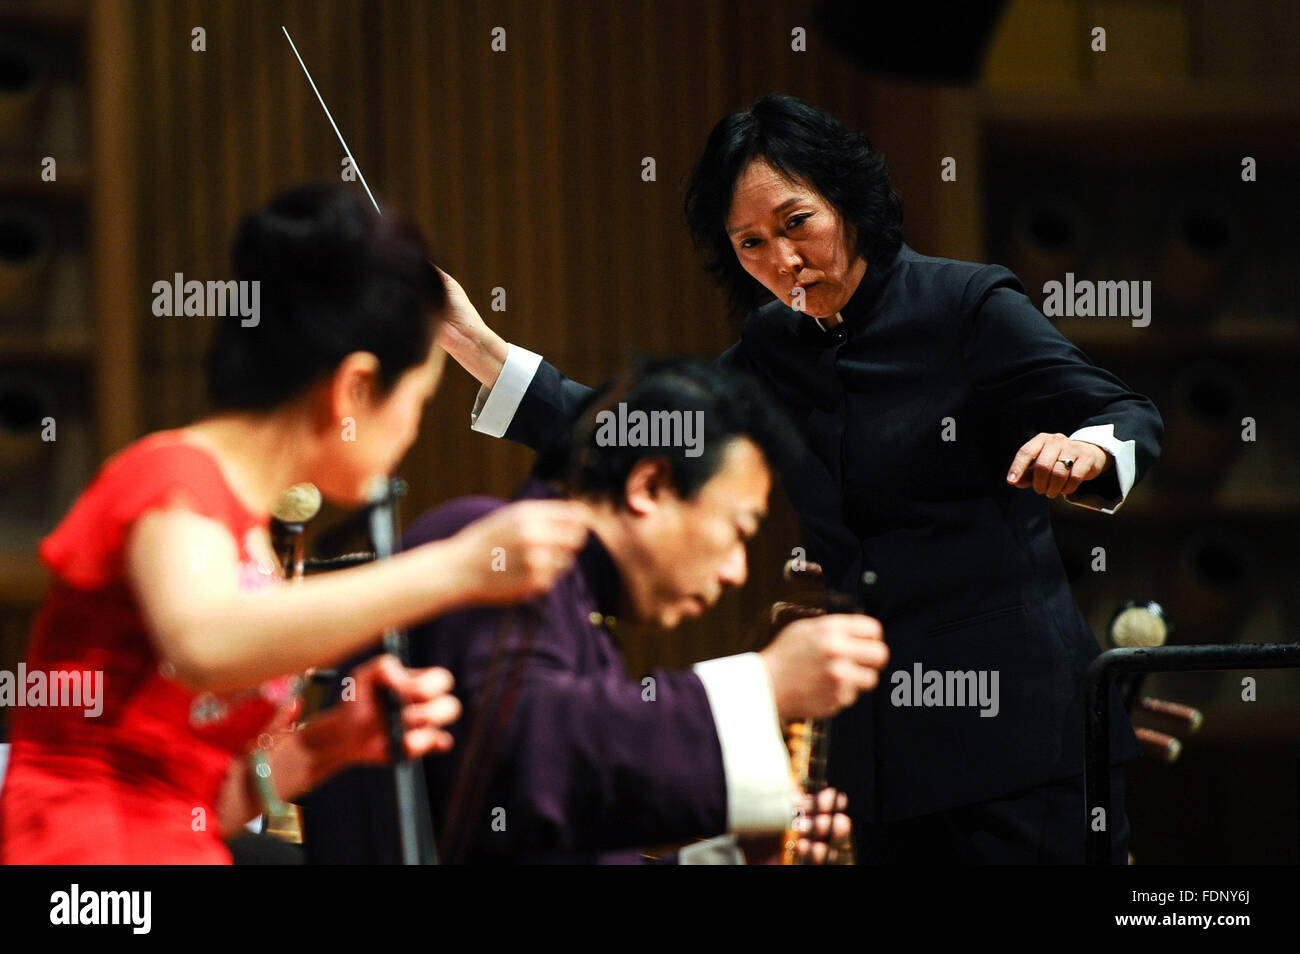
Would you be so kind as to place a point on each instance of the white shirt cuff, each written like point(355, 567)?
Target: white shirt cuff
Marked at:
point(760, 787)
point(495, 408)
point(722, 850)
point(1124, 453)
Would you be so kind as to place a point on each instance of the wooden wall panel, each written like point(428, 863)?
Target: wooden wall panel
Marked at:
point(522, 167)
point(113, 40)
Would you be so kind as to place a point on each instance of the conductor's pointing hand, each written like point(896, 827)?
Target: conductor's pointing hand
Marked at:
point(1053, 464)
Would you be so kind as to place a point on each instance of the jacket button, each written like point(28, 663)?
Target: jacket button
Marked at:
point(870, 577)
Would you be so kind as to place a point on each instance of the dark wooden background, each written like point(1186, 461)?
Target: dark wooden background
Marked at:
point(524, 169)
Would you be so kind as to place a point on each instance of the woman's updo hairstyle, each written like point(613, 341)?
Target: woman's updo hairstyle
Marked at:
point(334, 278)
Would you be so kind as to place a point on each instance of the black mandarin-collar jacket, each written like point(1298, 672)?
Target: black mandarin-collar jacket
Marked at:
point(966, 573)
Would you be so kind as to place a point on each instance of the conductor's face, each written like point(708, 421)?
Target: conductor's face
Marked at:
point(793, 241)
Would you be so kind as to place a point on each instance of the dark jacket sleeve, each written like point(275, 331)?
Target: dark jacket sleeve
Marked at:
point(576, 757)
point(546, 408)
point(1018, 361)
point(552, 399)
point(582, 759)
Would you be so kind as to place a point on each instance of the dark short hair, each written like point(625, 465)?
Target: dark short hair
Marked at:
point(731, 406)
point(800, 141)
point(335, 278)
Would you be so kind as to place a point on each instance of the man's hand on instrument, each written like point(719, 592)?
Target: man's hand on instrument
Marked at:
point(819, 666)
point(1053, 464)
point(827, 829)
point(826, 842)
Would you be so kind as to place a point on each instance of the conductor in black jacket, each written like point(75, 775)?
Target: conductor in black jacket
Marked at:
point(940, 412)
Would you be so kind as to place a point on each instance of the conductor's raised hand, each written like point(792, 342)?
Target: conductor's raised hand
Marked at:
point(521, 550)
point(465, 336)
point(1053, 464)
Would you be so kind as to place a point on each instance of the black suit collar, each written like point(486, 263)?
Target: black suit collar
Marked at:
point(859, 306)
point(855, 312)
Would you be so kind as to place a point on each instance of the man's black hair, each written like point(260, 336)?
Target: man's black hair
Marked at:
point(727, 405)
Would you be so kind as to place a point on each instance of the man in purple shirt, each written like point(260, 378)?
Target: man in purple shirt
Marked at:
point(560, 755)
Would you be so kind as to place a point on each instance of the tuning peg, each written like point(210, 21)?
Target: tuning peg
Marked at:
point(1158, 745)
point(1187, 718)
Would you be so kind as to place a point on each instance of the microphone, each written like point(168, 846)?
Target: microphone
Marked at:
point(298, 504)
point(289, 518)
point(1139, 624)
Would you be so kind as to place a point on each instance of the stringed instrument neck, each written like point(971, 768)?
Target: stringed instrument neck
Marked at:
point(809, 743)
point(808, 740)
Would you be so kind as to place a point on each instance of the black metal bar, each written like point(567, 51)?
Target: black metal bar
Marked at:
point(1097, 684)
point(414, 821)
point(330, 564)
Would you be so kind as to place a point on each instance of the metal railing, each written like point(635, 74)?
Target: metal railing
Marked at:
point(1097, 687)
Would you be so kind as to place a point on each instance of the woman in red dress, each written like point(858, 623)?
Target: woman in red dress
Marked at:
point(161, 572)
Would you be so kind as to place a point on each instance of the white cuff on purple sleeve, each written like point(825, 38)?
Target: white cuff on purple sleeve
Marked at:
point(760, 788)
